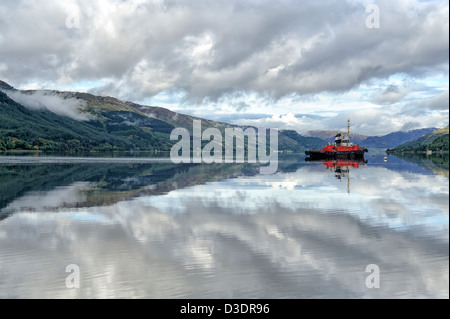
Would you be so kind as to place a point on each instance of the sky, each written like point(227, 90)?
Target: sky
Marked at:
point(301, 65)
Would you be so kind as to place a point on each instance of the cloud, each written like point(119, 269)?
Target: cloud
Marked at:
point(209, 49)
point(46, 100)
point(410, 126)
point(438, 102)
point(369, 121)
point(232, 118)
point(241, 106)
point(287, 121)
point(434, 105)
point(392, 94)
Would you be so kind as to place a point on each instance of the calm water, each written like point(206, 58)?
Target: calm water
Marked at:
point(146, 228)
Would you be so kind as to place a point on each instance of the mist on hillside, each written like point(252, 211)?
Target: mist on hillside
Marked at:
point(44, 100)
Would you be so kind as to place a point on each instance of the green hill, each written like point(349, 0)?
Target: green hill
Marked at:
point(25, 129)
point(435, 141)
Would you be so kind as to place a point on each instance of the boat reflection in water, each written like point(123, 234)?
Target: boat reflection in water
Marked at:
point(341, 167)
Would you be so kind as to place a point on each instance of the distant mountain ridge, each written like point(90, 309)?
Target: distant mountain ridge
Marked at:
point(390, 140)
point(396, 138)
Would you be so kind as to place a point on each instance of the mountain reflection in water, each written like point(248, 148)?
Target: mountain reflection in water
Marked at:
point(159, 230)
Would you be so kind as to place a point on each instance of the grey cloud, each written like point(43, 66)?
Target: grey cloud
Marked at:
point(241, 106)
point(425, 107)
point(213, 48)
point(392, 94)
point(410, 126)
point(46, 100)
point(438, 102)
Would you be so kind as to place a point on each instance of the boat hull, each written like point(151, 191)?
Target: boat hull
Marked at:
point(320, 154)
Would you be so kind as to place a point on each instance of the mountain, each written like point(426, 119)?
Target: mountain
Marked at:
point(291, 140)
point(434, 141)
point(390, 140)
point(72, 121)
point(396, 138)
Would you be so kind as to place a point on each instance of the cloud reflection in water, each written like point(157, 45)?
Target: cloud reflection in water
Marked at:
point(289, 235)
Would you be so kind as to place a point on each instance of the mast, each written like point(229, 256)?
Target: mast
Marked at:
point(348, 183)
point(348, 129)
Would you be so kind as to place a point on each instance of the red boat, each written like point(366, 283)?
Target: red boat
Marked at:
point(336, 164)
point(342, 148)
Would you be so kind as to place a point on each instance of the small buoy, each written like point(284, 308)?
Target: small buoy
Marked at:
point(385, 159)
